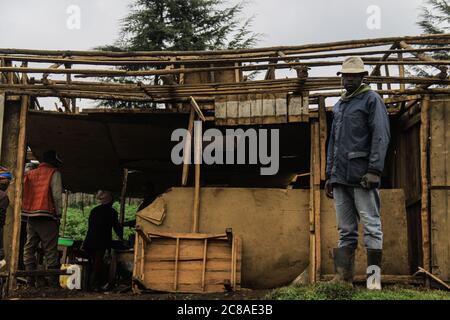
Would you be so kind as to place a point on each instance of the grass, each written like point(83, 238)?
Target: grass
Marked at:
point(329, 291)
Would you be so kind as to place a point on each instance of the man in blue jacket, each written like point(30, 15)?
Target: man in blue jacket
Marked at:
point(357, 149)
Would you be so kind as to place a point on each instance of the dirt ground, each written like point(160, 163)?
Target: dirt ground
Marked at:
point(63, 294)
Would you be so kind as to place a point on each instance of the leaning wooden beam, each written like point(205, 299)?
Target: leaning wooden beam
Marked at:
point(427, 58)
point(422, 270)
point(187, 149)
point(197, 109)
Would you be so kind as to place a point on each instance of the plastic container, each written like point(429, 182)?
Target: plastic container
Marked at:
point(66, 242)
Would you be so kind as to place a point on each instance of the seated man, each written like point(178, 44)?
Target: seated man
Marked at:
point(102, 220)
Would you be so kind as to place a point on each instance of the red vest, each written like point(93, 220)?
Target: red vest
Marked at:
point(37, 197)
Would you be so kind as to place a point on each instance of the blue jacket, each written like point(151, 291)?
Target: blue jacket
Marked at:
point(359, 138)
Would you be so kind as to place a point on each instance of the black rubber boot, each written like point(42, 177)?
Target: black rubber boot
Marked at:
point(344, 265)
point(374, 257)
point(31, 280)
point(53, 281)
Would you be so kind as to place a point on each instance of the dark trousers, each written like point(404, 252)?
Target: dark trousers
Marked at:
point(45, 231)
point(2, 252)
point(96, 267)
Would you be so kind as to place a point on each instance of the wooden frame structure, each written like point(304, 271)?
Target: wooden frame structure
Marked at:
point(178, 78)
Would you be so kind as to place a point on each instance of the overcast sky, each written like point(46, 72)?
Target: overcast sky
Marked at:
point(42, 24)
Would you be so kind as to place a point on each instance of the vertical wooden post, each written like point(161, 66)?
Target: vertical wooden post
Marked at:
point(237, 72)
point(424, 150)
point(18, 176)
point(401, 71)
point(187, 149)
point(314, 203)
point(123, 197)
point(71, 102)
point(386, 69)
point(64, 218)
point(197, 161)
point(323, 137)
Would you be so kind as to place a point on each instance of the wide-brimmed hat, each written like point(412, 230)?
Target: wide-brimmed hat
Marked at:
point(352, 65)
point(52, 157)
point(105, 197)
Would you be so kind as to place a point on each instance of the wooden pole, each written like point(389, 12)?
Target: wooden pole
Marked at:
point(401, 71)
point(197, 161)
point(18, 176)
point(66, 205)
point(323, 137)
point(339, 45)
point(187, 149)
point(123, 197)
point(424, 169)
point(314, 203)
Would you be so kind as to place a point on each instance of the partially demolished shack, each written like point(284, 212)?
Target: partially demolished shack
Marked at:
point(229, 226)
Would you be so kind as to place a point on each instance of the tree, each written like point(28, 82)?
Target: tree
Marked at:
point(434, 18)
point(179, 25)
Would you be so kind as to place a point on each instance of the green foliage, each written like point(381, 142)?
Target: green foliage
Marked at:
point(330, 291)
point(435, 17)
point(77, 221)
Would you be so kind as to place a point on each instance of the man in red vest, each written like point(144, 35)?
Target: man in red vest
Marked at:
point(42, 207)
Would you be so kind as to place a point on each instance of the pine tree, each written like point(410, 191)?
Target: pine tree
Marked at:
point(434, 18)
point(181, 25)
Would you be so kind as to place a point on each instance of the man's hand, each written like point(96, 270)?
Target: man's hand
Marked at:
point(329, 189)
point(370, 181)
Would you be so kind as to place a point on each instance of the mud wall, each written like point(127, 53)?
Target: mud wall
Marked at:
point(274, 227)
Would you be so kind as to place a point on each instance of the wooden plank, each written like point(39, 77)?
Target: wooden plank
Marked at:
point(281, 108)
point(440, 143)
point(205, 249)
point(189, 250)
point(191, 265)
point(256, 108)
point(424, 136)
point(440, 231)
point(220, 109)
point(177, 253)
point(268, 109)
point(245, 109)
point(232, 110)
point(295, 108)
point(188, 235)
